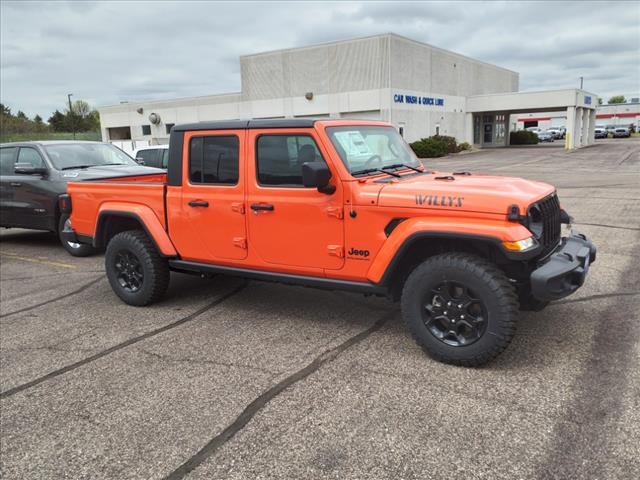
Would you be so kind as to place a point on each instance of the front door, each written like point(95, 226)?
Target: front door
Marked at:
point(291, 225)
point(34, 203)
point(487, 138)
point(211, 227)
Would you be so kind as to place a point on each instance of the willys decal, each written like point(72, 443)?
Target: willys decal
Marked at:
point(439, 200)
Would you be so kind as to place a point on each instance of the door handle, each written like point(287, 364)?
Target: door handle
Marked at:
point(262, 206)
point(198, 203)
point(16, 184)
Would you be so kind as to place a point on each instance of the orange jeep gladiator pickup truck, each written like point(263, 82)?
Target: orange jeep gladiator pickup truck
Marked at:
point(342, 205)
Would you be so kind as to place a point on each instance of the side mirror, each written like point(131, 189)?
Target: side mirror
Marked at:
point(140, 160)
point(317, 174)
point(28, 169)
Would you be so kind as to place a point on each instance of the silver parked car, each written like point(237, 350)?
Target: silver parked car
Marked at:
point(556, 132)
point(600, 132)
point(545, 136)
point(620, 132)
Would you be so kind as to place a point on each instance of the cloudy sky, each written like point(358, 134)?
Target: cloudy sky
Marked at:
point(105, 52)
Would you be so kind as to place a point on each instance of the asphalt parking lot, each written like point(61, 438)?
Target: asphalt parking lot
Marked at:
point(236, 380)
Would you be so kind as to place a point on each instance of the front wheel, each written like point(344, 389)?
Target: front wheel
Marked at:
point(460, 308)
point(75, 249)
point(136, 271)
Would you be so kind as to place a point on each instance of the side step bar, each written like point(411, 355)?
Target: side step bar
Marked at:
point(315, 282)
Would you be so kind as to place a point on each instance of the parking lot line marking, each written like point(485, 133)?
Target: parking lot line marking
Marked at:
point(259, 403)
point(36, 260)
point(119, 346)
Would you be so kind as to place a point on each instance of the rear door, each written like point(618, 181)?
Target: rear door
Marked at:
point(211, 227)
point(290, 225)
point(7, 206)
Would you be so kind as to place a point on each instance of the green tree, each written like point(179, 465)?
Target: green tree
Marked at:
point(81, 108)
point(21, 115)
point(37, 119)
point(599, 101)
point(58, 121)
point(5, 110)
point(617, 99)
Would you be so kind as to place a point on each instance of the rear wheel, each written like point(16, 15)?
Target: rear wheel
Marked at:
point(75, 249)
point(136, 271)
point(460, 309)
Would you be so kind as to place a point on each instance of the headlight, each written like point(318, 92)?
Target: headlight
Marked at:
point(521, 245)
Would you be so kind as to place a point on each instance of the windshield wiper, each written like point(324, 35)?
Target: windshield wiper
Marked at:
point(373, 170)
point(398, 165)
point(77, 166)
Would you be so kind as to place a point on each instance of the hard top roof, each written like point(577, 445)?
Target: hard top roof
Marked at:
point(245, 124)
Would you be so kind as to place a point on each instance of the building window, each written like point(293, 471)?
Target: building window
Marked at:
point(280, 158)
point(214, 159)
point(146, 129)
point(169, 126)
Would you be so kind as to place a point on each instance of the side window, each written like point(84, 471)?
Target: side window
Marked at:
point(149, 157)
point(165, 158)
point(30, 155)
point(7, 160)
point(280, 158)
point(214, 160)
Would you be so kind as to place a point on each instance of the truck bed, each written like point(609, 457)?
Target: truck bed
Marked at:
point(94, 196)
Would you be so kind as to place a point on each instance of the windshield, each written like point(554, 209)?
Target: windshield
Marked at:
point(364, 149)
point(66, 156)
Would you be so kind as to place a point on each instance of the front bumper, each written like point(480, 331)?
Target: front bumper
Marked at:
point(565, 270)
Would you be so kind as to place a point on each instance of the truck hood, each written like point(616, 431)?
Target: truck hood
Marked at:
point(108, 171)
point(472, 193)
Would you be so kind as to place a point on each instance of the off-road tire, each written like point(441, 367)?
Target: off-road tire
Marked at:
point(154, 268)
point(489, 284)
point(75, 249)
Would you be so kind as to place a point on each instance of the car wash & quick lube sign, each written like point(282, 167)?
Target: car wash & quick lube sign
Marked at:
point(417, 100)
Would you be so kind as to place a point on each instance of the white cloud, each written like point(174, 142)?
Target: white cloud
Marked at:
point(105, 52)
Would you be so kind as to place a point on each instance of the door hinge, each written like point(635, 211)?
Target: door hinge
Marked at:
point(336, 250)
point(238, 207)
point(337, 212)
point(240, 242)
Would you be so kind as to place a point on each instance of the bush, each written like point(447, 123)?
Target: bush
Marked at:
point(464, 146)
point(437, 146)
point(523, 137)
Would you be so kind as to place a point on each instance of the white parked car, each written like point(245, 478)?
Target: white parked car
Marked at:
point(152, 156)
point(556, 132)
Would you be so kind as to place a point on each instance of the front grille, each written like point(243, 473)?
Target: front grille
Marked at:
point(546, 213)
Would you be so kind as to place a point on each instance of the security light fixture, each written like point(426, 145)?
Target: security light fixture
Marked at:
point(308, 96)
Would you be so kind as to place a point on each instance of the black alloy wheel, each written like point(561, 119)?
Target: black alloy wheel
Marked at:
point(129, 271)
point(454, 315)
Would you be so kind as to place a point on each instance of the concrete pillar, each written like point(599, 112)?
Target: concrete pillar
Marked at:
point(584, 134)
point(468, 128)
point(592, 126)
point(570, 138)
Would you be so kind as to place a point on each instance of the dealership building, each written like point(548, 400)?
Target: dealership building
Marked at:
point(421, 89)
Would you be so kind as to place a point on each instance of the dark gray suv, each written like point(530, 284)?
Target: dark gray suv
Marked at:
point(34, 174)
